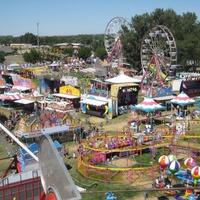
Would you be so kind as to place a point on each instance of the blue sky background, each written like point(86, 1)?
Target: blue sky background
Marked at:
point(73, 17)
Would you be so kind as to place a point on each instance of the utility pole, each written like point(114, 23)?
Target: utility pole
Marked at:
point(38, 42)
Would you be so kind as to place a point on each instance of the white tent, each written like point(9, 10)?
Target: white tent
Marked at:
point(88, 70)
point(122, 78)
point(54, 64)
point(14, 64)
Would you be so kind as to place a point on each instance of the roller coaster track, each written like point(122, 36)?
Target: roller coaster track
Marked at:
point(180, 143)
point(142, 147)
point(138, 169)
point(135, 169)
point(125, 149)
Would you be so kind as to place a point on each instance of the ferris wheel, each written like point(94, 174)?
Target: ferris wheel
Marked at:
point(112, 35)
point(158, 55)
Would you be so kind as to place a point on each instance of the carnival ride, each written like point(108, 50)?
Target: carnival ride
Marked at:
point(55, 178)
point(121, 157)
point(158, 55)
point(190, 176)
point(113, 157)
point(112, 36)
point(49, 180)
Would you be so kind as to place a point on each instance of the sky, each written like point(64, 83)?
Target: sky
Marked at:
point(74, 17)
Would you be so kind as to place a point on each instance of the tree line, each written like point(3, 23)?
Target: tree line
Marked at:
point(185, 29)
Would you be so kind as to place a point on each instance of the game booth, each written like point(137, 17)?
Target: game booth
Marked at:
point(102, 103)
point(125, 94)
point(20, 96)
point(61, 124)
point(166, 93)
point(69, 94)
point(26, 159)
point(23, 85)
point(95, 103)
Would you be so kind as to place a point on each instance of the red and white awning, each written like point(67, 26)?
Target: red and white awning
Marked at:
point(11, 97)
point(182, 99)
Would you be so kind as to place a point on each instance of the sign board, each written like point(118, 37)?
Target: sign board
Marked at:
point(68, 89)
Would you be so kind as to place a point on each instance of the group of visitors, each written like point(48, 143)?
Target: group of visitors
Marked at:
point(183, 112)
point(11, 121)
point(66, 153)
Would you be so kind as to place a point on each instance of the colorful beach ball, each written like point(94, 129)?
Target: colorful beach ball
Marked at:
point(172, 157)
point(163, 161)
point(174, 166)
point(195, 172)
point(190, 163)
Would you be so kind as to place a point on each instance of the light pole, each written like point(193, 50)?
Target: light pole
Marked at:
point(38, 43)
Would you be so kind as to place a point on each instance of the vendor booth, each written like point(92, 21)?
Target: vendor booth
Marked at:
point(15, 97)
point(62, 123)
point(126, 93)
point(62, 106)
point(98, 102)
point(70, 94)
point(123, 95)
point(95, 101)
point(191, 87)
point(24, 85)
point(95, 105)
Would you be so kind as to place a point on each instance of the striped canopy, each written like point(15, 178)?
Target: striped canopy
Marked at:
point(5, 97)
point(182, 99)
point(148, 105)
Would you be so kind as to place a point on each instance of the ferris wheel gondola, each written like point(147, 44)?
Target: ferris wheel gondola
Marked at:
point(112, 36)
point(158, 55)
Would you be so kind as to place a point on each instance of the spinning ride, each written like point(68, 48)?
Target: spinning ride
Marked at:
point(158, 57)
point(112, 40)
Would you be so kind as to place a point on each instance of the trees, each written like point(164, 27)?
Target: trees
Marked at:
point(188, 41)
point(68, 51)
point(84, 53)
point(33, 56)
point(28, 38)
point(101, 53)
point(185, 29)
point(2, 57)
point(6, 40)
